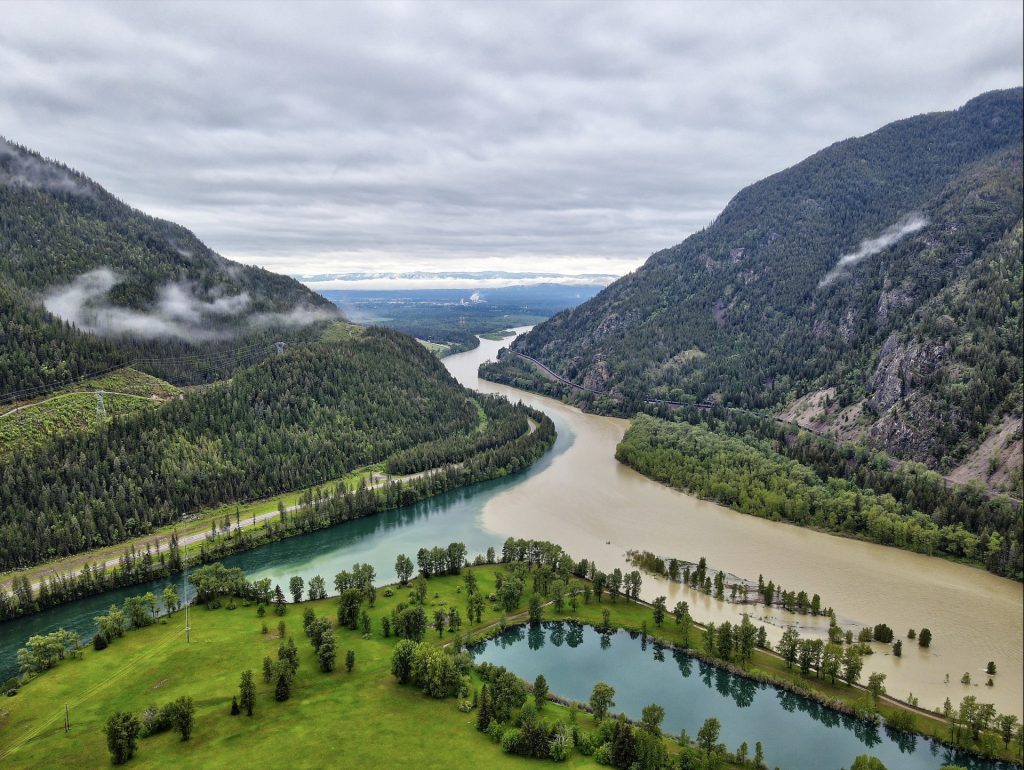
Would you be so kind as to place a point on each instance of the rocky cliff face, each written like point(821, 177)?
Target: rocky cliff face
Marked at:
point(884, 269)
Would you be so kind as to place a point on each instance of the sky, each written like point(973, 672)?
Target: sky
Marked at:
point(571, 138)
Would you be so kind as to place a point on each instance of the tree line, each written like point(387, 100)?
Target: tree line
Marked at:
point(317, 509)
point(752, 476)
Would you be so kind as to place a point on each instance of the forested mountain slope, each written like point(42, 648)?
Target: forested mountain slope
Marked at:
point(879, 280)
point(297, 419)
point(87, 282)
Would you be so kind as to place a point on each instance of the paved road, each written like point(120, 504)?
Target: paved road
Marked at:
point(377, 480)
point(163, 543)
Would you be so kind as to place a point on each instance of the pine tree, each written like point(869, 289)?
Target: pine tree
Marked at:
point(283, 690)
point(484, 714)
point(268, 669)
point(279, 604)
point(540, 691)
point(247, 689)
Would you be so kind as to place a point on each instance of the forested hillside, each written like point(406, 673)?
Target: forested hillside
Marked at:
point(294, 420)
point(87, 282)
point(874, 288)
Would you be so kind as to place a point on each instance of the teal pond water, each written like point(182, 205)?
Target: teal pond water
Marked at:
point(796, 733)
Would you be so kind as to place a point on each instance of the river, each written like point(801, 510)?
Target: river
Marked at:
point(579, 496)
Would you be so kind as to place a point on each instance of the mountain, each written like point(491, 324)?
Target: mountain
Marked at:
point(872, 291)
point(88, 282)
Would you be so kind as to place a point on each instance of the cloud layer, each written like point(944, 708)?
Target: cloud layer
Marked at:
point(568, 137)
point(178, 312)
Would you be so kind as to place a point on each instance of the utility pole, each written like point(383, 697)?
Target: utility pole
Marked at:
point(67, 718)
point(184, 594)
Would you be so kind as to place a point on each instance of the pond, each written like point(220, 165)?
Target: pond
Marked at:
point(796, 733)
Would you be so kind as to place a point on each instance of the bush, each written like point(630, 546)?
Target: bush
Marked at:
point(603, 754)
point(900, 720)
point(560, 745)
point(510, 740)
point(122, 733)
point(495, 731)
point(99, 642)
point(584, 744)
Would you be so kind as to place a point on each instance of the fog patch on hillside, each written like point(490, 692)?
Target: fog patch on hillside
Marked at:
point(178, 312)
point(870, 246)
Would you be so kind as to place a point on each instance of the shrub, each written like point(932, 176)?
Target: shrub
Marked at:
point(584, 744)
point(122, 733)
point(510, 740)
point(495, 731)
point(900, 720)
point(99, 642)
point(560, 745)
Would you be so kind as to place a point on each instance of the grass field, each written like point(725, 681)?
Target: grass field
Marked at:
point(36, 423)
point(498, 335)
point(436, 348)
point(362, 719)
point(341, 331)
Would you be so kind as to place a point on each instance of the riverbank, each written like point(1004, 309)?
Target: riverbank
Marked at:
point(148, 660)
point(314, 509)
point(590, 503)
point(384, 724)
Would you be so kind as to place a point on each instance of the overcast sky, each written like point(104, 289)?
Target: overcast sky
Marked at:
point(575, 137)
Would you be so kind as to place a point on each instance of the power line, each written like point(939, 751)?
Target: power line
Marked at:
point(246, 354)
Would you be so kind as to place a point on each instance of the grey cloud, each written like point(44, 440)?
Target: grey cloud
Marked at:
point(870, 246)
point(576, 137)
point(178, 312)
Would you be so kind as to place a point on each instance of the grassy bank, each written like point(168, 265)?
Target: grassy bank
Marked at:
point(363, 716)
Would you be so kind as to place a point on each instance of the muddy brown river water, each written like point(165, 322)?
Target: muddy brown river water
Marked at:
point(598, 508)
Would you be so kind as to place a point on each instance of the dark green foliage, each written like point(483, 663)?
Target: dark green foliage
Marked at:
point(926, 333)
point(410, 623)
point(123, 731)
point(327, 654)
point(317, 509)
point(311, 414)
point(247, 692)
point(348, 607)
point(283, 688)
point(540, 691)
point(401, 660)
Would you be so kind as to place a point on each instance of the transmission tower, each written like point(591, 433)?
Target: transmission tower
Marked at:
point(101, 409)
